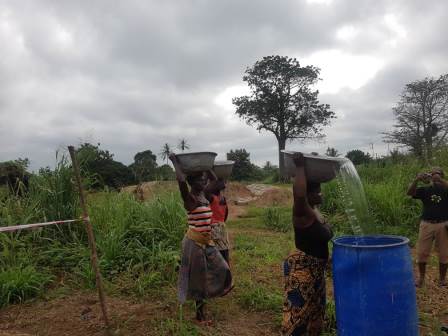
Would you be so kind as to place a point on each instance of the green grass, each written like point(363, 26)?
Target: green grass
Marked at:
point(20, 283)
point(278, 218)
point(133, 238)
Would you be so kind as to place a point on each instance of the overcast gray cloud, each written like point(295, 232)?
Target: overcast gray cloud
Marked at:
point(136, 74)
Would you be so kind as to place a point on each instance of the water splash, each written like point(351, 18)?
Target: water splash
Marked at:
point(353, 197)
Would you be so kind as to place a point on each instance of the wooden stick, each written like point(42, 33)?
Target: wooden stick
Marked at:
point(93, 256)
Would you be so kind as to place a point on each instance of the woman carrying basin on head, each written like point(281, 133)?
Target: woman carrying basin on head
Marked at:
point(220, 212)
point(304, 269)
point(203, 273)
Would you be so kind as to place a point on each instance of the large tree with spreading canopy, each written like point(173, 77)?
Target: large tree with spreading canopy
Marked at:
point(283, 101)
point(421, 116)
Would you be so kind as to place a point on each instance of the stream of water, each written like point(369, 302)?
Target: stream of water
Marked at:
point(354, 198)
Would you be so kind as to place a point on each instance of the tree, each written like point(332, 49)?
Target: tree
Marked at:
point(99, 165)
point(421, 116)
point(332, 152)
point(165, 173)
point(358, 156)
point(144, 166)
point(282, 101)
point(183, 145)
point(165, 152)
point(242, 168)
point(15, 176)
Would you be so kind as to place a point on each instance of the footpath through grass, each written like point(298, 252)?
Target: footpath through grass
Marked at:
point(254, 307)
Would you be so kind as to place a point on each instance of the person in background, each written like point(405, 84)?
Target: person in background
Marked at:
point(203, 273)
point(220, 212)
point(434, 221)
point(304, 269)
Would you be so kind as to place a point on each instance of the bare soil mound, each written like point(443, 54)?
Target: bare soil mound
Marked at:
point(235, 191)
point(148, 190)
point(275, 197)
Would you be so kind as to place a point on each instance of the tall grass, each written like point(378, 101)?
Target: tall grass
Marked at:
point(136, 240)
point(277, 218)
point(385, 185)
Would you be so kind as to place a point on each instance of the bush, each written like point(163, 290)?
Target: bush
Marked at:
point(277, 219)
point(20, 283)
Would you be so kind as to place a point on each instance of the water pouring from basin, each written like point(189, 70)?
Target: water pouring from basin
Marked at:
point(322, 169)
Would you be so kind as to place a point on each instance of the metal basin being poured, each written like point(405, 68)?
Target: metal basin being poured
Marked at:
point(318, 168)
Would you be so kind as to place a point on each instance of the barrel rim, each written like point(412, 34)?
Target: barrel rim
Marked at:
point(404, 241)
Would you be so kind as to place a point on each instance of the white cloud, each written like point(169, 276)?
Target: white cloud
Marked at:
point(343, 70)
point(320, 2)
point(398, 31)
point(346, 33)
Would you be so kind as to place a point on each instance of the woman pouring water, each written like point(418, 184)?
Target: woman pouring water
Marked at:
point(203, 273)
point(304, 269)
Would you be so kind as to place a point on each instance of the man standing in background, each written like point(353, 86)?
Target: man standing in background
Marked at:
point(434, 221)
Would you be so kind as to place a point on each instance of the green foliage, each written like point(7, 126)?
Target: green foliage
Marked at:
point(330, 319)
point(385, 184)
point(282, 100)
point(243, 168)
point(164, 173)
point(14, 176)
point(278, 219)
point(133, 238)
point(144, 166)
point(100, 164)
point(358, 156)
point(19, 283)
point(256, 297)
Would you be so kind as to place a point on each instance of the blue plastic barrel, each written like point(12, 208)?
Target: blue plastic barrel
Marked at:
point(374, 287)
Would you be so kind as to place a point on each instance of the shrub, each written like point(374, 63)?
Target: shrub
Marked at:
point(277, 219)
point(20, 283)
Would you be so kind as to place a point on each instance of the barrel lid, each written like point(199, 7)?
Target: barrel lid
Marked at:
point(370, 241)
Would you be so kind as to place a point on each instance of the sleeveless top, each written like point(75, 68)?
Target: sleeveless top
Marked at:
point(219, 208)
point(313, 240)
point(200, 218)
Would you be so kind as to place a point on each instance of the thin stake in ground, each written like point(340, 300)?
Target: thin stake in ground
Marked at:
point(91, 237)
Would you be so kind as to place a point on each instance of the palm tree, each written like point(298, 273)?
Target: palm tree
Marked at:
point(165, 152)
point(183, 145)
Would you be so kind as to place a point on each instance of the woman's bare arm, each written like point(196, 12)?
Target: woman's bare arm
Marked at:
point(303, 214)
point(189, 201)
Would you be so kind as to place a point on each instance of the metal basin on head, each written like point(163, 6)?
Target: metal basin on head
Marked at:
point(318, 168)
point(196, 161)
point(223, 169)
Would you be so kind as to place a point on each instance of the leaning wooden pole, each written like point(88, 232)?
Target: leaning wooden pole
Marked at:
point(91, 237)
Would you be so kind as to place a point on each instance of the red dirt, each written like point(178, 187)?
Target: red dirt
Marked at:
point(275, 197)
point(235, 191)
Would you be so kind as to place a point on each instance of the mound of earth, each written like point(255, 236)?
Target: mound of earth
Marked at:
point(147, 190)
point(258, 194)
point(275, 197)
point(236, 193)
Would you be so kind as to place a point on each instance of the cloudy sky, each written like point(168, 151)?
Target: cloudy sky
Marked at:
point(135, 74)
